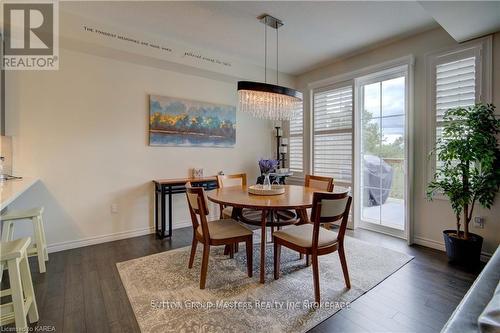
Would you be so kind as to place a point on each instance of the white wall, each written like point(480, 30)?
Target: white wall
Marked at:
point(83, 131)
point(430, 218)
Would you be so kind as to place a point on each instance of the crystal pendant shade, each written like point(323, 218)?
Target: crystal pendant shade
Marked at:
point(269, 101)
point(268, 105)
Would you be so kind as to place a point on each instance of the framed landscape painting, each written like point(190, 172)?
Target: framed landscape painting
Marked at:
point(181, 122)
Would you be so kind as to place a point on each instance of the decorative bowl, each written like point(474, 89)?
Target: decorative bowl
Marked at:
point(260, 190)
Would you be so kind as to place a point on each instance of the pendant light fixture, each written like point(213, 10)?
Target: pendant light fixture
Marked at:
point(264, 100)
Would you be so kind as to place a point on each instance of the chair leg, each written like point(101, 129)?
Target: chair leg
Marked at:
point(249, 248)
point(28, 289)
point(315, 265)
point(277, 259)
point(343, 262)
point(308, 260)
point(193, 252)
point(44, 240)
point(6, 231)
point(11, 230)
point(39, 245)
point(236, 247)
point(17, 295)
point(204, 265)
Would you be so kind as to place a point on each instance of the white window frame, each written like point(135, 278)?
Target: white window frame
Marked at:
point(405, 70)
point(481, 50)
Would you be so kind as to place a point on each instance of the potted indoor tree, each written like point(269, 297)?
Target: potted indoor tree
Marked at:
point(469, 173)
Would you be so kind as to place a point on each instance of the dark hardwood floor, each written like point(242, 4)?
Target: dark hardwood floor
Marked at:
point(82, 291)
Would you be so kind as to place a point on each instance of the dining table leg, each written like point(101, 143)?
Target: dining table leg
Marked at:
point(236, 215)
point(302, 215)
point(263, 221)
point(303, 219)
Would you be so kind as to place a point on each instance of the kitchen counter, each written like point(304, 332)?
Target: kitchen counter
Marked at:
point(10, 190)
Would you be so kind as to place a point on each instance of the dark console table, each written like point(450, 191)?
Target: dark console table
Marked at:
point(164, 187)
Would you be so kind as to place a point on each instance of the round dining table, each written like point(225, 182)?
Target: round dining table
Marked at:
point(296, 198)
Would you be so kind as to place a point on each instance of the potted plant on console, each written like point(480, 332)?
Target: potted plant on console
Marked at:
point(469, 173)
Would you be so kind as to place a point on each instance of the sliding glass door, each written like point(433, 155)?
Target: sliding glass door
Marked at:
point(382, 104)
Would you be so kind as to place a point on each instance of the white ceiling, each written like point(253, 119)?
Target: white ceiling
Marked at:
point(467, 19)
point(315, 33)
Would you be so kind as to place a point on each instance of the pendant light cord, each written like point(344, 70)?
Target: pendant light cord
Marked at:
point(277, 56)
point(265, 52)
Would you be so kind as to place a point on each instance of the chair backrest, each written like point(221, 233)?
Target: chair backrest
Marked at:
point(330, 207)
point(239, 179)
point(320, 183)
point(198, 206)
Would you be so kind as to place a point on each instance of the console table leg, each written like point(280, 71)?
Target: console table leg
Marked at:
point(169, 211)
point(156, 194)
point(162, 205)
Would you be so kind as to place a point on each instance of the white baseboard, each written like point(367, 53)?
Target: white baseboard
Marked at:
point(485, 256)
point(429, 243)
point(73, 244)
point(182, 224)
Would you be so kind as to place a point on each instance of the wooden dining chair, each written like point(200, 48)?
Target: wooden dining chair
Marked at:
point(311, 239)
point(317, 182)
point(239, 179)
point(214, 233)
point(320, 183)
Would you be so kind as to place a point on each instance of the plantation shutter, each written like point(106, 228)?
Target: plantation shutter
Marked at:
point(296, 142)
point(332, 136)
point(455, 86)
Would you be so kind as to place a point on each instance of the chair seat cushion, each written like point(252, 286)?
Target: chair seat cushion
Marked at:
point(226, 228)
point(22, 214)
point(227, 212)
point(301, 235)
point(14, 249)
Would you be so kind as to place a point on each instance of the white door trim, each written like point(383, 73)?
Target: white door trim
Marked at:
point(403, 65)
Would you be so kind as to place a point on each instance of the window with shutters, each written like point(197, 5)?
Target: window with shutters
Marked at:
point(332, 152)
point(455, 86)
point(296, 142)
point(457, 78)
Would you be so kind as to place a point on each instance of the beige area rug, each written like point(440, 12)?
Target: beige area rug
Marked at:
point(165, 294)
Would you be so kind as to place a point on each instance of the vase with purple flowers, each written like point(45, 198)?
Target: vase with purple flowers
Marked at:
point(266, 167)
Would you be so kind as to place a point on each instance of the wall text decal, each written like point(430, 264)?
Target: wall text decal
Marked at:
point(212, 60)
point(157, 46)
point(126, 38)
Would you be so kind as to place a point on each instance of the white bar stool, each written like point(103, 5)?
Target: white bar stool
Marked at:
point(15, 255)
point(39, 247)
